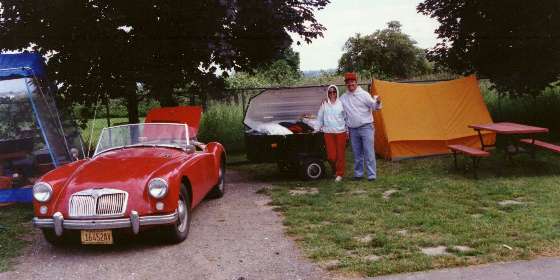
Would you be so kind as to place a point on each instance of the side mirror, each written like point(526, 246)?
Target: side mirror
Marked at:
point(75, 154)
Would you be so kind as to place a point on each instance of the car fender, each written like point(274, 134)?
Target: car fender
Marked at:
point(219, 153)
point(57, 178)
point(174, 175)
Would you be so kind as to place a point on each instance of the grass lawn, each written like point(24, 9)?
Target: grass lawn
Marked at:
point(15, 225)
point(351, 227)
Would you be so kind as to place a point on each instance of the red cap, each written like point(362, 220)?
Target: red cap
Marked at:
point(350, 76)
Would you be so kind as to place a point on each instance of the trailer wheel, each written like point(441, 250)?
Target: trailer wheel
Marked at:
point(312, 169)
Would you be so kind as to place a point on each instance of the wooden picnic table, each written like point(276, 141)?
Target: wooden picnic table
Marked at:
point(510, 130)
point(514, 133)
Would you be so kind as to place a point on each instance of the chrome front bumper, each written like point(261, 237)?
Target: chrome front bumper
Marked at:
point(134, 222)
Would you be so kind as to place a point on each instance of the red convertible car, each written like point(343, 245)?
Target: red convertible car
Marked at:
point(140, 176)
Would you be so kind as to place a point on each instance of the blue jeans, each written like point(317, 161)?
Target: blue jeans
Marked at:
point(362, 139)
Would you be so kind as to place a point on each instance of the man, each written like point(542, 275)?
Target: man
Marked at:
point(359, 105)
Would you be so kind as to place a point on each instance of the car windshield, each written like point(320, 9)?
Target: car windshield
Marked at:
point(144, 134)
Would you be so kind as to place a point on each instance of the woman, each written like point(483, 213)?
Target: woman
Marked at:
point(332, 123)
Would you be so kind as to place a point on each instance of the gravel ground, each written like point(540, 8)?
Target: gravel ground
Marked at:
point(236, 237)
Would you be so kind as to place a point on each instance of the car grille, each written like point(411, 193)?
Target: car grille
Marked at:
point(98, 203)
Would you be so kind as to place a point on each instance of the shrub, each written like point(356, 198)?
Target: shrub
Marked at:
point(223, 122)
point(542, 111)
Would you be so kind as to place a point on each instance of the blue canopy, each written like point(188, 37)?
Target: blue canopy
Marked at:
point(15, 66)
point(21, 65)
point(21, 195)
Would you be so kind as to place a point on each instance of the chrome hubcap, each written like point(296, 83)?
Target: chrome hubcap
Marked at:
point(182, 212)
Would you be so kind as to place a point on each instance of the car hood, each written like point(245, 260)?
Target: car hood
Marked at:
point(123, 169)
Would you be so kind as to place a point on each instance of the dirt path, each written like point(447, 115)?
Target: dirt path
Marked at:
point(542, 269)
point(236, 237)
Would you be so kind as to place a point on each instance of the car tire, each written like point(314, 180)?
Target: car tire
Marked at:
point(179, 231)
point(52, 238)
point(312, 169)
point(219, 189)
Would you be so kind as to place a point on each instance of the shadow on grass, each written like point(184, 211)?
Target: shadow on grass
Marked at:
point(499, 166)
point(494, 167)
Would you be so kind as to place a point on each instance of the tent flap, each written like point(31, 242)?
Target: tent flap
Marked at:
point(421, 119)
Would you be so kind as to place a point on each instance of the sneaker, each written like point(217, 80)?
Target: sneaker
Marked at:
point(356, 178)
point(371, 179)
point(338, 179)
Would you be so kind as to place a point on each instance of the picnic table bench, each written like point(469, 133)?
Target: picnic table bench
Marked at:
point(474, 153)
point(540, 144)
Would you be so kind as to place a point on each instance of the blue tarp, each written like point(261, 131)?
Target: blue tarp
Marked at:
point(21, 65)
point(22, 195)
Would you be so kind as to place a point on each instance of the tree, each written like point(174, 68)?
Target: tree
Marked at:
point(108, 47)
point(514, 43)
point(387, 53)
point(282, 72)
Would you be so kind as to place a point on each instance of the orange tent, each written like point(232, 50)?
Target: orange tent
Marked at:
point(421, 119)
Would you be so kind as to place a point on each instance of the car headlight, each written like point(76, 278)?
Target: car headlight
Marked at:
point(42, 192)
point(157, 188)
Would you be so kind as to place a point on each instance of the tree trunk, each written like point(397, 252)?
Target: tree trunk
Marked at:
point(204, 98)
point(132, 105)
point(165, 95)
point(193, 98)
point(535, 109)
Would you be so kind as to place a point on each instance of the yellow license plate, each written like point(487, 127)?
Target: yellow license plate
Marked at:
point(97, 237)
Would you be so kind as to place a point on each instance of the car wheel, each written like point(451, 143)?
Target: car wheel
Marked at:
point(180, 230)
point(219, 189)
point(52, 238)
point(312, 169)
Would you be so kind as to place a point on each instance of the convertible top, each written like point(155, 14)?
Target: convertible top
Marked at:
point(19, 65)
point(189, 115)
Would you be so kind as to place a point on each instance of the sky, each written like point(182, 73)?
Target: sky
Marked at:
point(344, 18)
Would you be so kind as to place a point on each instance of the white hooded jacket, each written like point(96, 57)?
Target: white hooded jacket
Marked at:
point(331, 116)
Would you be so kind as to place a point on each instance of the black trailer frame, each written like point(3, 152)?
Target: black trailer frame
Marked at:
point(299, 153)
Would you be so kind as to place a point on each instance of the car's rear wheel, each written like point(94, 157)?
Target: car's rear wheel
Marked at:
point(180, 230)
point(219, 189)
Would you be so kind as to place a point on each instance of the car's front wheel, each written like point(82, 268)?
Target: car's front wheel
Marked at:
point(180, 230)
